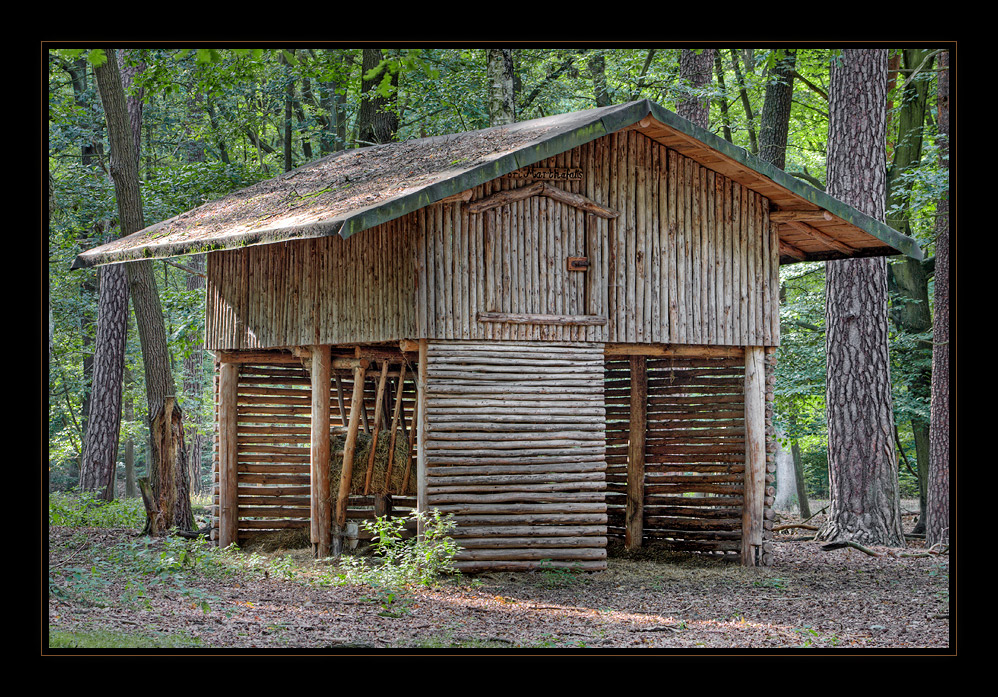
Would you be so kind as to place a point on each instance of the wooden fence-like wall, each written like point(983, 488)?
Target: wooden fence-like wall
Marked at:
point(318, 291)
point(273, 437)
point(694, 450)
point(515, 451)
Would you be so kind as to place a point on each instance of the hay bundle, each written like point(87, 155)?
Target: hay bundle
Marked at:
point(278, 540)
point(360, 458)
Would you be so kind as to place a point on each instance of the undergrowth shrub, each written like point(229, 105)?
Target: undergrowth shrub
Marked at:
point(85, 509)
point(400, 562)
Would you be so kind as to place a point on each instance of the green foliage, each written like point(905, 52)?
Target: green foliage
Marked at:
point(400, 562)
point(104, 639)
point(84, 509)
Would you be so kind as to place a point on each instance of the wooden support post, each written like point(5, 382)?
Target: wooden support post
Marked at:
point(755, 455)
point(350, 447)
point(378, 400)
point(396, 413)
point(319, 452)
point(420, 428)
point(634, 522)
point(228, 510)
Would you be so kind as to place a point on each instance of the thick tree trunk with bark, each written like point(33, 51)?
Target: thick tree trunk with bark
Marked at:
point(937, 525)
point(502, 102)
point(167, 461)
point(696, 69)
point(100, 446)
point(863, 479)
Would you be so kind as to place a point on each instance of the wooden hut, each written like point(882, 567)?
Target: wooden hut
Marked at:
point(563, 328)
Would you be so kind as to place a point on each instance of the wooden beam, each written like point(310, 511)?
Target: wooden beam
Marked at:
point(321, 373)
point(228, 453)
point(397, 412)
point(350, 446)
point(821, 237)
point(420, 428)
point(634, 517)
point(786, 216)
point(788, 250)
point(542, 189)
point(520, 318)
point(755, 456)
point(378, 401)
point(673, 350)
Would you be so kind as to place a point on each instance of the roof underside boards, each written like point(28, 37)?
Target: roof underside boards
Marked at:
point(357, 189)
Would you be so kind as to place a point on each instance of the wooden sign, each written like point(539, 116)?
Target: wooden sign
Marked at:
point(551, 174)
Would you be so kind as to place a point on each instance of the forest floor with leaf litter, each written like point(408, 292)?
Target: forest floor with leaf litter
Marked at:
point(116, 583)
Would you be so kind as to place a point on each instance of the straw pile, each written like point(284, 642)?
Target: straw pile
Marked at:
point(360, 460)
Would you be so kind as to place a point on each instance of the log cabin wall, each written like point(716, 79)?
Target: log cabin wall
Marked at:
point(514, 449)
point(273, 403)
point(319, 291)
point(693, 449)
point(690, 258)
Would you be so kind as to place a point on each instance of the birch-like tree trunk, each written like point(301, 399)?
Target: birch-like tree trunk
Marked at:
point(502, 103)
point(863, 478)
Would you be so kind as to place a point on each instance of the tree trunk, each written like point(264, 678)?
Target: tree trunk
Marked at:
point(775, 124)
point(100, 447)
point(166, 464)
point(377, 120)
point(597, 71)
point(908, 276)
point(502, 100)
point(937, 524)
point(696, 69)
point(863, 479)
point(746, 104)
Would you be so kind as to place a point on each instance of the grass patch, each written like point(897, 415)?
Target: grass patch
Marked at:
point(104, 639)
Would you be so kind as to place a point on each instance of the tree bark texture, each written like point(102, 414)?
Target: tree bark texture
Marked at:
point(775, 124)
point(937, 527)
point(863, 479)
point(377, 119)
point(100, 446)
point(696, 69)
point(166, 465)
point(502, 103)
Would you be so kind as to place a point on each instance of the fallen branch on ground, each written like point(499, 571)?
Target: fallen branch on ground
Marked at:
point(848, 543)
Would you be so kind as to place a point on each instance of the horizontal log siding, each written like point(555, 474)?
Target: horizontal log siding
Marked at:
point(319, 291)
point(694, 451)
point(274, 412)
point(515, 450)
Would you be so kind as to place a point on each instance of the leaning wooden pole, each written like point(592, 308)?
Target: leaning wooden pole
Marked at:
point(420, 428)
point(228, 511)
point(350, 446)
point(634, 520)
point(319, 452)
point(755, 456)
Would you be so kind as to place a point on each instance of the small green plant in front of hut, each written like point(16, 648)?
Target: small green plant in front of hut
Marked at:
point(399, 561)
